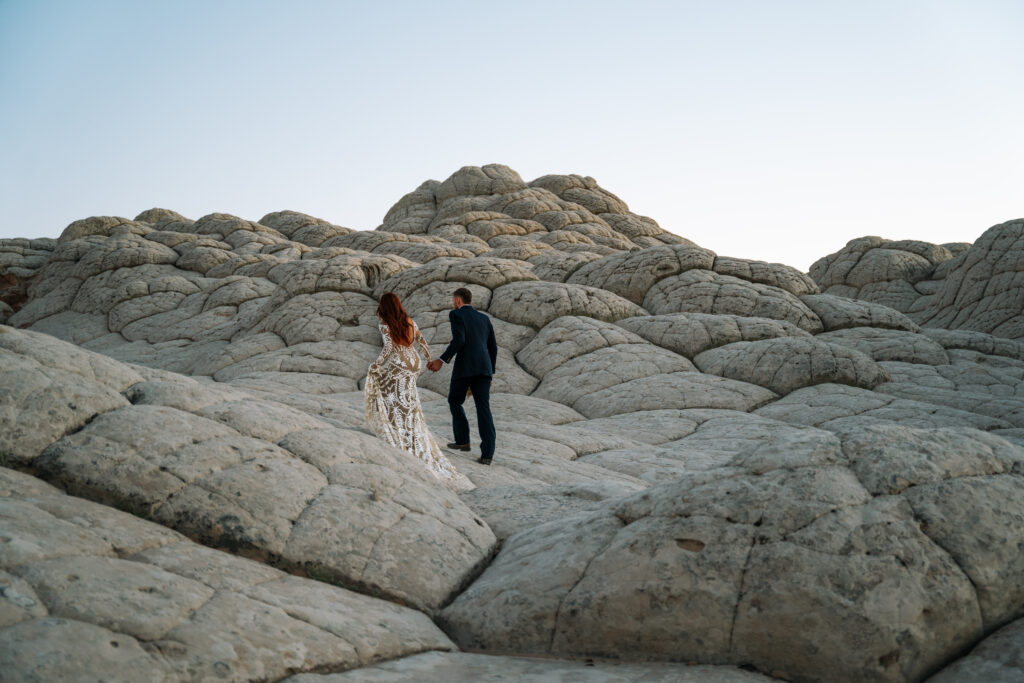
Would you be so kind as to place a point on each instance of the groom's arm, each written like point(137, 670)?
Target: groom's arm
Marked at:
point(458, 336)
point(492, 347)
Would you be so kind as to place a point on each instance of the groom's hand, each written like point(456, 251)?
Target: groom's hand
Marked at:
point(434, 365)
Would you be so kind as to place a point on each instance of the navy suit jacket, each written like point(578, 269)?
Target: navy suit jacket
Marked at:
point(473, 344)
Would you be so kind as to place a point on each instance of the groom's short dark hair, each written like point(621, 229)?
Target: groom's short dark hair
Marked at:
point(464, 294)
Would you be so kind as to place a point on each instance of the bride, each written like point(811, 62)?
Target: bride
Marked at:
point(392, 400)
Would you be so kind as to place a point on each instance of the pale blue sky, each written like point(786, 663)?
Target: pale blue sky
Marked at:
point(768, 130)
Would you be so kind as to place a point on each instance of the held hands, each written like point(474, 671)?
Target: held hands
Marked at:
point(434, 365)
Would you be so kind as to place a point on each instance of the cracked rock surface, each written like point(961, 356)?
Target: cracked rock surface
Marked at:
point(85, 585)
point(700, 458)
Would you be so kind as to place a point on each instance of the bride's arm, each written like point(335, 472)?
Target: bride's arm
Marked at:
point(385, 351)
point(421, 341)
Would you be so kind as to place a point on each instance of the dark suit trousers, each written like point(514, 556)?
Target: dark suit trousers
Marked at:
point(481, 386)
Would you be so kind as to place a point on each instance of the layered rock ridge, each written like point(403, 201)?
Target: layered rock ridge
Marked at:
point(701, 458)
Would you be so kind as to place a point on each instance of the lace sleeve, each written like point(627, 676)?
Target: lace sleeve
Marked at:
point(388, 346)
point(418, 338)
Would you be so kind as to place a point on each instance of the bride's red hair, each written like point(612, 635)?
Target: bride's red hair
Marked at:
point(394, 316)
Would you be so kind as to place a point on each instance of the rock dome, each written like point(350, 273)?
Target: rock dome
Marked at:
point(701, 459)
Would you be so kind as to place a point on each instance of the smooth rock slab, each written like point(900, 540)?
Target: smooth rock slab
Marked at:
point(837, 313)
point(866, 571)
point(39, 405)
point(997, 659)
point(784, 365)
point(727, 440)
point(889, 345)
point(444, 667)
point(774, 274)
point(676, 390)
point(871, 259)
point(976, 387)
point(820, 405)
point(691, 333)
point(514, 605)
point(584, 438)
point(983, 287)
point(423, 548)
point(489, 273)
point(511, 509)
point(535, 304)
point(224, 480)
point(53, 649)
point(979, 521)
point(53, 353)
point(773, 570)
point(136, 599)
point(976, 341)
point(240, 638)
point(632, 274)
point(704, 291)
point(568, 337)
point(37, 536)
point(18, 601)
point(579, 377)
point(174, 610)
point(890, 459)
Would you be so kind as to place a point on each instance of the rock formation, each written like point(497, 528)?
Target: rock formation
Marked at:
point(701, 458)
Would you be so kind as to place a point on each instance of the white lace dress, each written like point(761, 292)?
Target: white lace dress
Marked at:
point(393, 406)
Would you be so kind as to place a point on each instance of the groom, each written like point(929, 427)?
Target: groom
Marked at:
point(476, 352)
